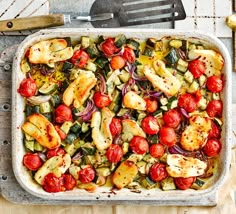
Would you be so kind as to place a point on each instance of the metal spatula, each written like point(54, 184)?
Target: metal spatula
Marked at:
point(138, 12)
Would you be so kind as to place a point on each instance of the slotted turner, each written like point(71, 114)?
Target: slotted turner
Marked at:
point(138, 12)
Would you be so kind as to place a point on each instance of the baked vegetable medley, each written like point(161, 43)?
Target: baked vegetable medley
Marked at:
point(122, 113)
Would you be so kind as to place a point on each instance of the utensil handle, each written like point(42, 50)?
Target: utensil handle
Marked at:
point(33, 22)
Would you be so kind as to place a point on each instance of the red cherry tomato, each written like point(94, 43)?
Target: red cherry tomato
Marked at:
point(32, 161)
point(52, 183)
point(184, 183)
point(80, 58)
point(129, 55)
point(114, 153)
point(215, 131)
point(150, 125)
point(117, 62)
point(158, 172)
point(151, 105)
point(27, 87)
point(212, 147)
point(138, 145)
point(55, 152)
point(157, 150)
point(108, 47)
point(101, 100)
point(196, 67)
point(167, 136)
point(215, 108)
point(214, 84)
point(86, 175)
point(172, 118)
point(187, 102)
point(115, 126)
point(69, 182)
point(60, 132)
point(63, 113)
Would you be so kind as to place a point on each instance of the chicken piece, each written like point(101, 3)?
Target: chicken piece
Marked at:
point(134, 101)
point(100, 124)
point(56, 165)
point(79, 90)
point(50, 51)
point(195, 134)
point(130, 128)
point(213, 60)
point(161, 78)
point(42, 130)
point(181, 166)
point(124, 174)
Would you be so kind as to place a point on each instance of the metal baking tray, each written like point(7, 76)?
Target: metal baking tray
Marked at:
point(153, 196)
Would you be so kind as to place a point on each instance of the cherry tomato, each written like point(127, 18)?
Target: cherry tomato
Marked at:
point(184, 183)
point(80, 58)
point(114, 153)
point(117, 62)
point(52, 183)
point(212, 147)
point(68, 181)
point(27, 87)
point(55, 152)
point(150, 125)
point(172, 118)
point(101, 100)
point(215, 131)
point(108, 47)
point(63, 113)
point(151, 105)
point(158, 172)
point(167, 136)
point(138, 145)
point(215, 108)
point(115, 126)
point(196, 67)
point(156, 150)
point(129, 55)
point(60, 132)
point(214, 84)
point(86, 175)
point(32, 161)
point(187, 102)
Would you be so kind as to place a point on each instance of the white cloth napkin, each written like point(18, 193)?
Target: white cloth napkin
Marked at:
point(206, 15)
point(22, 8)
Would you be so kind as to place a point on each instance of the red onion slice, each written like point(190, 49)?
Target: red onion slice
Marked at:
point(128, 85)
point(88, 116)
point(184, 112)
point(36, 100)
point(196, 154)
point(131, 69)
point(116, 139)
point(154, 93)
point(42, 156)
point(103, 86)
point(89, 107)
point(77, 156)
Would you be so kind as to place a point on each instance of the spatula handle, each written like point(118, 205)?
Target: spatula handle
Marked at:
point(33, 22)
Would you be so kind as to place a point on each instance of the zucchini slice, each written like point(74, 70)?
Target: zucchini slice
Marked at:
point(172, 57)
point(148, 52)
point(101, 62)
point(48, 88)
point(120, 40)
point(92, 51)
point(151, 42)
point(133, 44)
point(85, 41)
